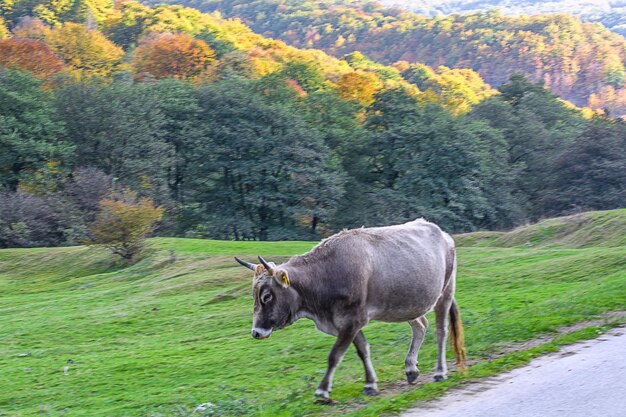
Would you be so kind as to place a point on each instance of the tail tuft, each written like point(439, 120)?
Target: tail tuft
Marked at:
point(457, 337)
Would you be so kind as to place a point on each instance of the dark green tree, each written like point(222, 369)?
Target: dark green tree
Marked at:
point(119, 128)
point(181, 129)
point(425, 163)
point(263, 174)
point(536, 126)
point(591, 173)
point(31, 141)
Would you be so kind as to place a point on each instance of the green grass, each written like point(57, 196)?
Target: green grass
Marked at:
point(173, 331)
point(589, 229)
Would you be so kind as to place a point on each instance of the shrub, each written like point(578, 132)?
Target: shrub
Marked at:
point(124, 222)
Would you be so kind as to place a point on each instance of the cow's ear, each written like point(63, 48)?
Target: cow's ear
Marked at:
point(282, 278)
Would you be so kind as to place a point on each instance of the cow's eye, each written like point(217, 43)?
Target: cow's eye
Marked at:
point(266, 297)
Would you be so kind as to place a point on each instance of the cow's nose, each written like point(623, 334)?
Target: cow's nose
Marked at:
point(255, 334)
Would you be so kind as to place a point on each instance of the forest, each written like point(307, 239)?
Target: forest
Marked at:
point(580, 62)
point(611, 13)
point(239, 136)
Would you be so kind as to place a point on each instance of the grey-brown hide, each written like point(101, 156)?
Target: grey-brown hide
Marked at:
point(392, 274)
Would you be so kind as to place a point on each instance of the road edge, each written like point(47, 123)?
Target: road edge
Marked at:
point(394, 405)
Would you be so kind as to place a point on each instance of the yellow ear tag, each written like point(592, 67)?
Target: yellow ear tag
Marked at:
point(285, 279)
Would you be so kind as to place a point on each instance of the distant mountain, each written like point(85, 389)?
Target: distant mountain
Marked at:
point(611, 14)
point(581, 62)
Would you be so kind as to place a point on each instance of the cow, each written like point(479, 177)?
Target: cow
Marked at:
point(391, 274)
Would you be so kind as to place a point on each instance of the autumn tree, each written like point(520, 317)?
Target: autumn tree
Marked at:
point(29, 55)
point(358, 86)
point(123, 223)
point(31, 28)
point(173, 55)
point(126, 22)
point(87, 51)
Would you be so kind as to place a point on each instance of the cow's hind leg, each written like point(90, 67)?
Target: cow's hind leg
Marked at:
point(418, 326)
point(363, 349)
point(442, 309)
point(344, 339)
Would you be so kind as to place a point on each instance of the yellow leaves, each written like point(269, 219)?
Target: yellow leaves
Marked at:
point(123, 223)
point(87, 51)
point(50, 12)
point(359, 86)
point(4, 32)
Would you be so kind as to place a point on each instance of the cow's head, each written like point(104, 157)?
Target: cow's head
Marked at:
point(275, 302)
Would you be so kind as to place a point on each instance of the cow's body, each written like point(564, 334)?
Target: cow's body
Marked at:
point(393, 274)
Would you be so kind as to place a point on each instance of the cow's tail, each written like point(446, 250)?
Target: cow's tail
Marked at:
point(456, 336)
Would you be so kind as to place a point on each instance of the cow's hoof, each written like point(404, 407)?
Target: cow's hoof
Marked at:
point(439, 378)
point(411, 376)
point(371, 391)
point(325, 401)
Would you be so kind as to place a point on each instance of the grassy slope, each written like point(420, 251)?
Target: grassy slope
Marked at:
point(589, 229)
point(172, 331)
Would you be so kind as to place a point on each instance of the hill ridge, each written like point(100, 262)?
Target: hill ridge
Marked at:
point(593, 228)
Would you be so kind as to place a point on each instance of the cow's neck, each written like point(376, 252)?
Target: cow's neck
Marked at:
point(305, 280)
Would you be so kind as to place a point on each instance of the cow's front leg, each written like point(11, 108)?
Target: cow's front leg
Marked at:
point(344, 338)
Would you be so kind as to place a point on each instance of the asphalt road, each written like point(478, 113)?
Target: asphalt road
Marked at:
point(587, 379)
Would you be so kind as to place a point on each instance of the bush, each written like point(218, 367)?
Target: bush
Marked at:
point(29, 220)
point(124, 222)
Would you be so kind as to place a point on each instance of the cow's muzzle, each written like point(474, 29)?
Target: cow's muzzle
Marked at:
point(259, 333)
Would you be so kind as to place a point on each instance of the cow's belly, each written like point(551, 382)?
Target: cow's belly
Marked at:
point(406, 300)
point(399, 314)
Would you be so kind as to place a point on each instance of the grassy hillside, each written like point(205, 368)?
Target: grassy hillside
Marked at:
point(173, 331)
point(594, 228)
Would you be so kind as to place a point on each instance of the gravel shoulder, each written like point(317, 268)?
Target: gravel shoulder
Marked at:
point(581, 380)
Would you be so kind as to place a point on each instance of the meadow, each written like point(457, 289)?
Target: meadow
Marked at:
point(172, 331)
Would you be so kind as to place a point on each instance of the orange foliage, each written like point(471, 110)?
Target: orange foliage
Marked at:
point(173, 55)
point(359, 86)
point(29, 55)
point(293, 84)
point(32, 28)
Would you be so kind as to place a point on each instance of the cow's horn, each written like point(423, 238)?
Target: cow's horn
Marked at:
point(266, 265)
point(246, 264)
